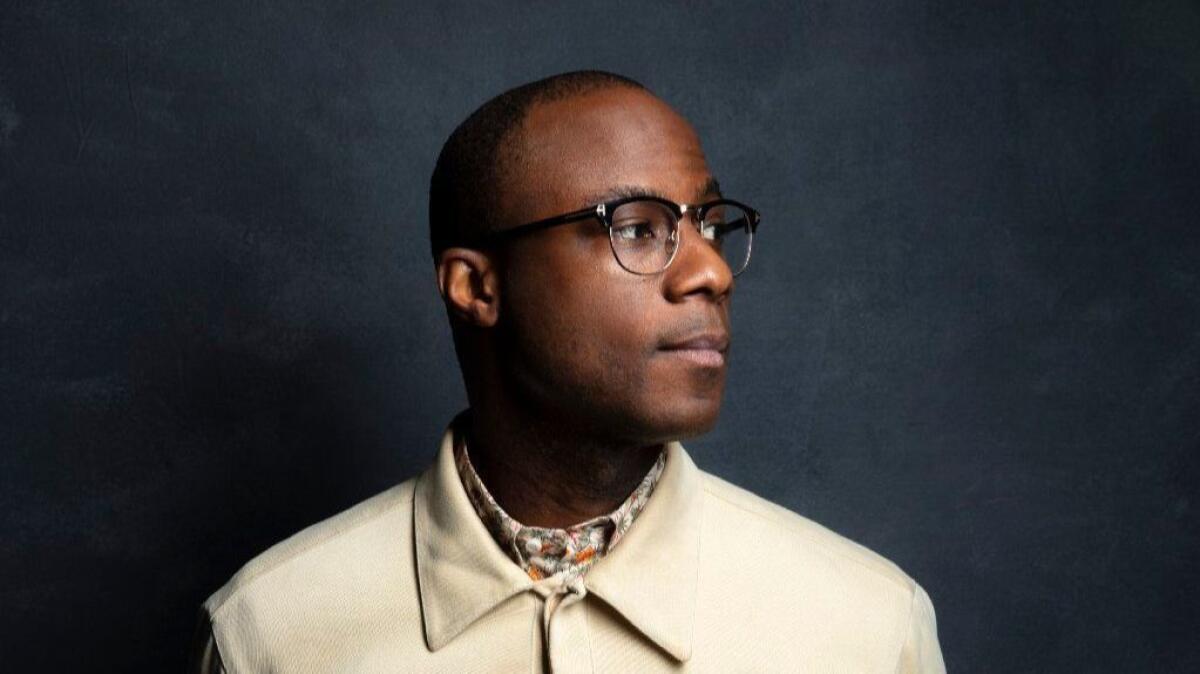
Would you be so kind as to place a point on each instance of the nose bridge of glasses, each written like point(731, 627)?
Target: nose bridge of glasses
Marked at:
point(698, 262)
point(707, 245)
point(694, 211)
point(698, 215)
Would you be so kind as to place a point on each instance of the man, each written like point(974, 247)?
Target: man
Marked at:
point(586, 259)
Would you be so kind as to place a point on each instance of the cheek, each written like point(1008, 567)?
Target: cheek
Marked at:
point(586, 344)
point(580, 328)
point(621, 330)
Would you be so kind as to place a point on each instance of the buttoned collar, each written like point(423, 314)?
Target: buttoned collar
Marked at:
point(650, 578)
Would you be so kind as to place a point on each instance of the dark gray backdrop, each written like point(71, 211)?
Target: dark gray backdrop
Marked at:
point(970, 339)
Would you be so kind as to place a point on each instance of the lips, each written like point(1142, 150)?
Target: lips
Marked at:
point(713, 341)
point(706, 349)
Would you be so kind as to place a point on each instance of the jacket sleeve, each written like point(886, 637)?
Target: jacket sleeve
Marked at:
point(921, 653)
point(205, 658)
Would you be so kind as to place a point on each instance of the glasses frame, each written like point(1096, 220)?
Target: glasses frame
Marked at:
point(603, 212)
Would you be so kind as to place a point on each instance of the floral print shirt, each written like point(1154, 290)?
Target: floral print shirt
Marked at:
point(544, 552)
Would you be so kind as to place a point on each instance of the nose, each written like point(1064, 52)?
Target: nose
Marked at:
point(698, 268)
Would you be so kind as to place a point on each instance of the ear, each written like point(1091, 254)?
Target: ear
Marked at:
point(469, 283)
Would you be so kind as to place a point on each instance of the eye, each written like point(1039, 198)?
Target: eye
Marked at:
point(633, 230)
point(715, 228)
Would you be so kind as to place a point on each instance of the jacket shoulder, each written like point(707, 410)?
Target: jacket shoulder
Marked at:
point(337, 537)
point(806, 592)
point(742, 509)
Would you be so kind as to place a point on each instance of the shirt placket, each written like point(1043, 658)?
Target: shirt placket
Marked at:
point(565, 640)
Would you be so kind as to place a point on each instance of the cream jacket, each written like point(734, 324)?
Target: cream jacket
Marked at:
point(710, 578)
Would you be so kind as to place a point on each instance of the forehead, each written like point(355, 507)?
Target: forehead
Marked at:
point(573, 149)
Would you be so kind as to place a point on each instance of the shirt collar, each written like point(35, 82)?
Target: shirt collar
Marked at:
point(541, 551)
point(650, 578)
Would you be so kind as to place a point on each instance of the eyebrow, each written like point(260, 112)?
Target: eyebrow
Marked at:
point(710, 188)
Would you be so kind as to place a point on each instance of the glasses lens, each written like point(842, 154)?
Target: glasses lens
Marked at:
point(727, 228)
point(644, 236)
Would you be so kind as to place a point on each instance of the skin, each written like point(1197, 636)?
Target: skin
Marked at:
point(572, 394)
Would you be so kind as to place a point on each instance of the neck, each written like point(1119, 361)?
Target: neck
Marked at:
point(547, 475)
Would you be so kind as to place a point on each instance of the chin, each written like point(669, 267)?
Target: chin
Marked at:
point(697, 426)
point(683, 420)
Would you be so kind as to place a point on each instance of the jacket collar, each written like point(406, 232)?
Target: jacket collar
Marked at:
point(649, 578)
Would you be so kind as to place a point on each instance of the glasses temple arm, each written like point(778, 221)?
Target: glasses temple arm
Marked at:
point(521, 230)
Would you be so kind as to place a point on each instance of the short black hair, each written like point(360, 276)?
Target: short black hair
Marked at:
point(470, 165)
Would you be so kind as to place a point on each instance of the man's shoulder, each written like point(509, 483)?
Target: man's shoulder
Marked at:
point(806, 589)
point(782, 536)
point(326, 551)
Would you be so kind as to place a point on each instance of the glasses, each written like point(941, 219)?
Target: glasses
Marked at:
point(643, 231)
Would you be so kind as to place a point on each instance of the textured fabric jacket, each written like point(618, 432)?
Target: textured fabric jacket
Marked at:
point(710, 578)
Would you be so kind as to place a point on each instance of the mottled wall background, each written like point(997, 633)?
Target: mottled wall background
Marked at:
point(970, 339)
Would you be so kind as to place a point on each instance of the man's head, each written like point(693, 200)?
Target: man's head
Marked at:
point(551, 322)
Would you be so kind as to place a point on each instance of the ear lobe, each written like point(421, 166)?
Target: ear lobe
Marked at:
point(468, 284)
